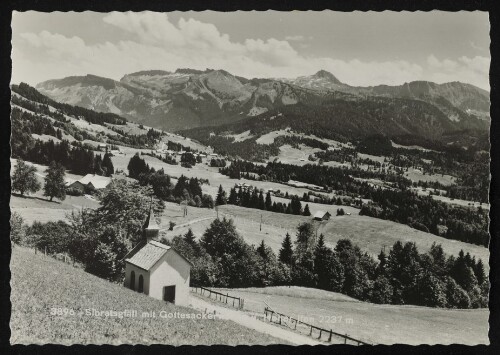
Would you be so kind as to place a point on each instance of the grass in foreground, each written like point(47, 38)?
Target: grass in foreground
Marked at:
point(40, 283)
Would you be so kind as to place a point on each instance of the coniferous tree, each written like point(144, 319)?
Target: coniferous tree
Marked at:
point(382, 258)
point(54, 182)
point(286, 251)
point(479, 272)
point(233, 197)
point(189, 237)
point(322, 254)
point(98, 169)
point(306, 211)
point(261, 250)
point(136, 166)
point(269, 202)
point(254, 199)
point(194, 187)
point(182, 184)
point(221, 197)
point(107, 165)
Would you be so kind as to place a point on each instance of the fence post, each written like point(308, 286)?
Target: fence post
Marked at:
point(227, 295)
point(320, 333)
point(279, 319)
point(330, 337)
point(233, 302)
point(345, 338)
point(310, 333)
point(296, 324)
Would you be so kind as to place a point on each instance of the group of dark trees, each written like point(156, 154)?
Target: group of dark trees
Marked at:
point(167, 158)
point(188, 190)
point(78, 160)
point(247, 149)
point(133, 140)
point(219, 163)
point(341, 155)
point(296, 141)
point(402, 276)
point(429, 215)
point(254, 198)
point(188, 159)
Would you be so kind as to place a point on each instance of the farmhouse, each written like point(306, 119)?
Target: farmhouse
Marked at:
point(102, 147)
point(321, 216)
point(90, 182)
point(157, 269)
point(95, 181)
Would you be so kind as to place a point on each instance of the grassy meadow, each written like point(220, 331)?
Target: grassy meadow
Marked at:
point(40, 283)
point(372, 323)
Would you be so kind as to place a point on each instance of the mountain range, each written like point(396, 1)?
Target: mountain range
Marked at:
point(189, 98)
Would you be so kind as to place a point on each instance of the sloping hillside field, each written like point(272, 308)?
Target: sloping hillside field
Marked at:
point(56, 303)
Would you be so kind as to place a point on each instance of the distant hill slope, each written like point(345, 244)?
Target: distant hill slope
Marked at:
point(405, 121)
point(463, 96)
point(190, 98)
point(40, 283)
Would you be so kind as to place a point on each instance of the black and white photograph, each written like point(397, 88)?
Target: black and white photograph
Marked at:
point(250, 178)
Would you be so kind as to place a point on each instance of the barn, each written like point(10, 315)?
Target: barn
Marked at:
point(322, 216)
point(156, 269)
point(90, 182)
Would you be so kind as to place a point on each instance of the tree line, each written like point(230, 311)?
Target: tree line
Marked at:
point(185, 190)
point(254, 198)
point(429, 215)
point(402, 276)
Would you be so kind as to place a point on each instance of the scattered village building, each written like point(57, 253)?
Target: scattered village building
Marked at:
point(90, 182)
point(102, 147)
point(157, 269)
point(96, 182)
point(322, 216)
point(68, 181)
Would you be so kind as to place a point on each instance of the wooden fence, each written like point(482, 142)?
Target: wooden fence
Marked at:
point(237, 302)
point(282, 319)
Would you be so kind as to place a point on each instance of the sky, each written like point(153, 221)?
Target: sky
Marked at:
point(359, 48)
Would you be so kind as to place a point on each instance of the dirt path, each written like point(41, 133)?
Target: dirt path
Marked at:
point(253, 323)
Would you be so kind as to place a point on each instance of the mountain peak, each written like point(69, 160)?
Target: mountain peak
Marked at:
point(327, 75)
